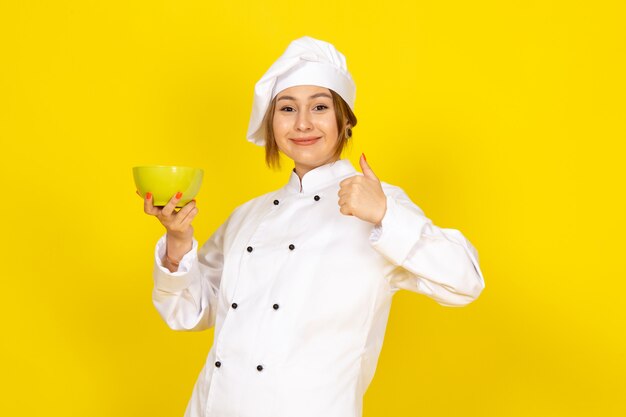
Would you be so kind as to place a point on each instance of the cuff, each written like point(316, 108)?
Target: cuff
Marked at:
point(398, 232)
point(173, 281)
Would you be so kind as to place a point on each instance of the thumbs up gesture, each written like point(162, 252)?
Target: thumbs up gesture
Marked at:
point(362, 196)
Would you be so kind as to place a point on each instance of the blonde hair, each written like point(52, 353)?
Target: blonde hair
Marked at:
point(345, 118)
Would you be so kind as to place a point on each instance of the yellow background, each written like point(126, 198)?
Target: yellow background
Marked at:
point(502, 119)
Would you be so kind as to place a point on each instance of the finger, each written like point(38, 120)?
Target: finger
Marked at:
point(171, 205)
point(148, 207)
point(367, 171)
point(345, 209)
point(183, 212)
point(346, 204)
point(354, 189)
point(189, 218)
point(347, 181)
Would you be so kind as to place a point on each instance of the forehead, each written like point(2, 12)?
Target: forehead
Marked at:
point(303, 92)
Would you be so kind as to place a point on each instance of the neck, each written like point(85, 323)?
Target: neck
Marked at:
point(302, 169)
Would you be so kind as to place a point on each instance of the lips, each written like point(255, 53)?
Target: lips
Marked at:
point(306, 141)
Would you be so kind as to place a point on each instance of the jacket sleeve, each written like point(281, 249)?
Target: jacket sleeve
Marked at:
point(440, 263)
point(187, 299)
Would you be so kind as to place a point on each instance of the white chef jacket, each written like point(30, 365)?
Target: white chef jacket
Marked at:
point(300, 294)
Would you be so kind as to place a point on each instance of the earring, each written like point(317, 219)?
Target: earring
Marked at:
point(348, 132)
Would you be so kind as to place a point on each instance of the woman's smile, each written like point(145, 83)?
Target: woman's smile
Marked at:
point(306, 141)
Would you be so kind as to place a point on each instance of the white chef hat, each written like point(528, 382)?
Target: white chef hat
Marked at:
point(306, 61)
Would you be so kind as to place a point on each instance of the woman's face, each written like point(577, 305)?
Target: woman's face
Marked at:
point(305, 127)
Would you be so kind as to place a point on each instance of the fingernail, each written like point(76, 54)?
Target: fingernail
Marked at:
point(179, 195)
point(364, 157)
point(148, 196)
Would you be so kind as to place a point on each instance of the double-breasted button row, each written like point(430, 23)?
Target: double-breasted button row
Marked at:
point(291, 247)
point(235, 305)
point(316, 198)
point(258, 368)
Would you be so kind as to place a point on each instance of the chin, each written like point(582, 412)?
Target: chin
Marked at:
point(309, 157)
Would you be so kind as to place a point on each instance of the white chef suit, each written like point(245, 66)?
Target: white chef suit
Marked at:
point(300, 296)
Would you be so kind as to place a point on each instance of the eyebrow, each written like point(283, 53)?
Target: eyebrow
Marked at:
point(313, 96)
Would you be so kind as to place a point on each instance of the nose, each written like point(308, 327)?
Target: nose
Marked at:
point(303, 121)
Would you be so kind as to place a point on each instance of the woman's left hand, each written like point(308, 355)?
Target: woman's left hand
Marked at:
point(362, 196)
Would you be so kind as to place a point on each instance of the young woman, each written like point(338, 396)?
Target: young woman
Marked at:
point(298, 282)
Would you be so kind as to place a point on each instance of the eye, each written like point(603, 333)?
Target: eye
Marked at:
point(287, 109)
point(321, 106)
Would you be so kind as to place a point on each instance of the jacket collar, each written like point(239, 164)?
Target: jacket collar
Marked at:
point(320, 177)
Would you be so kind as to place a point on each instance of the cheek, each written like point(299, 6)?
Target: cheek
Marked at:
point(330, 127)
point(280, 130)
point(280, 136)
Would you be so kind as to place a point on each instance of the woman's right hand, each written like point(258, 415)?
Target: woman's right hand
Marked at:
point(177, 224)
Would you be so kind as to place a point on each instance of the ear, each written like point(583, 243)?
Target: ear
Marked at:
point(348, 127)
